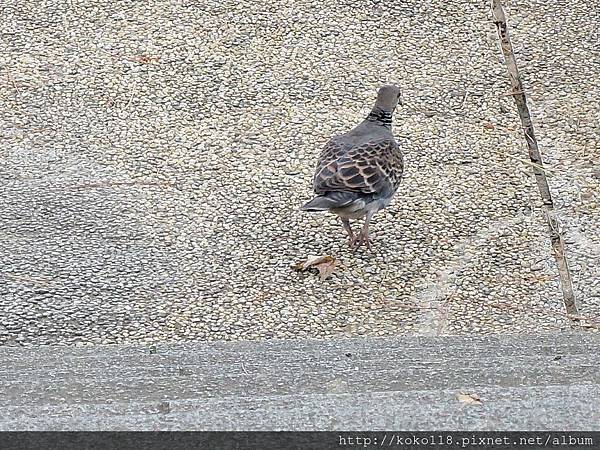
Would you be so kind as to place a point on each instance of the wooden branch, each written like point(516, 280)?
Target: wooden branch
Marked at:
point(518, 93)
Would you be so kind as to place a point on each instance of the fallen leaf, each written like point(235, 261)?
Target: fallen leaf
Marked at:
point(469, 399)
point(326, 265)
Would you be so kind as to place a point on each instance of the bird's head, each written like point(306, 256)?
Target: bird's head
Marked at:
point(388, 97)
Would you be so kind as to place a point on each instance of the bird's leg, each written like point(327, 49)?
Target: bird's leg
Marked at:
point(348, 228)
point(363, 236)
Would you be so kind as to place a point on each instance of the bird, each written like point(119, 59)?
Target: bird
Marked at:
point(358, 172)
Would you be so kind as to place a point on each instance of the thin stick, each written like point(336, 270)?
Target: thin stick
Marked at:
point(529, 163)
point(129, 102)
point(464, 99)
point(518, 93)
point(508, 94)
point(592, 322)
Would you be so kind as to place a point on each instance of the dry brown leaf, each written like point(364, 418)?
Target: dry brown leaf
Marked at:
point(326, 265)
point(469, 399)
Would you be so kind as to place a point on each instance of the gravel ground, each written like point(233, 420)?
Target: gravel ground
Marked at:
point(154, 159)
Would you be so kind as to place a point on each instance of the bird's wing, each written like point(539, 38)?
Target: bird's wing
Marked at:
point(369, 168)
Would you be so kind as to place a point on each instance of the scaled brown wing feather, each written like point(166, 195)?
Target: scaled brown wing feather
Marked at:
point(369, 168)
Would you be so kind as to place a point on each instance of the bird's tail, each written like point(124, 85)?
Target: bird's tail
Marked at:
point(329, 200)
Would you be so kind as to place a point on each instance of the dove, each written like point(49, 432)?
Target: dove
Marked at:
point(358, 172)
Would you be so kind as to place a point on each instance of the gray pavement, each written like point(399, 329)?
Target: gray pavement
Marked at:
point(154, 156)
point(545, 382)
